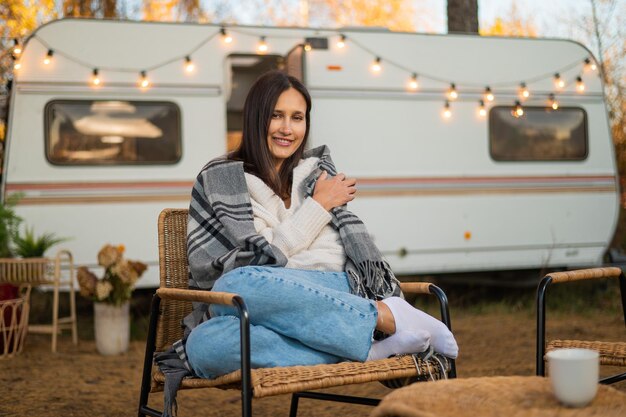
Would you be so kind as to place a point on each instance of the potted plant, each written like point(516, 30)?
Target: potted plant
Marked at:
point(28, 245)
point(9, 223)
point(111, 295)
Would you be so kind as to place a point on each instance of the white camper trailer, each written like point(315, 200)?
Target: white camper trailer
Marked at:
point(445, 185)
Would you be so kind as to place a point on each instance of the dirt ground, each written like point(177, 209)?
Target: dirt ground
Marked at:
point(78, 381)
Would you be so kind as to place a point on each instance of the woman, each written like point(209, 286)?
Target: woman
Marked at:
point(269, 222)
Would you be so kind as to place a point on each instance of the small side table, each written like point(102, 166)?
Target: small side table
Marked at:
point(518, 396)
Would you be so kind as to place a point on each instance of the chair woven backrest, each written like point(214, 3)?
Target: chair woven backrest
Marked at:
point(174, 273)
point(26, 271)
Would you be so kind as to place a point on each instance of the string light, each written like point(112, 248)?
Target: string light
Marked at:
point(226, 38)
point(341, 42)
point(262, 47)
point(518, 111)
point(17, 49)
point(376, 67)
point(558, 81)
point(523, 91)
point(17, 65)
point(144, 82)
point(189, 66)
point(446, 113)
point(590, 65)
point(413, 84)
point(488, 95)
point(452, 93)
point(482, 111)
point(95, 78)
point(48, 58)
point(580, 85)
point(553, 102)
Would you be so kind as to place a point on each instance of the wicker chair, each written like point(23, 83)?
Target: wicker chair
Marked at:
point(14, 322)
point(57, 272)
point(172, 302)
point(611, 353)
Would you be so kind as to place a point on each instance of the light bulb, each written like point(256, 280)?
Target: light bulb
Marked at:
point(341, 42)
point(446, 113)
point(307, 47)
point(144, 82)
point(553, 102)
point(518, 111)
point(482, 111)
point(488, 95)
point(523, 91)
point(452, 93)
point(558, 81)
point(17, 65)
point(580, 85)
point(262, 47)
point(226, 38)
point(189, 66)
point(48, 58)
point(17, 49)
point(590, 65)
point(376, 67)
point(413, 84)
point(95, 78)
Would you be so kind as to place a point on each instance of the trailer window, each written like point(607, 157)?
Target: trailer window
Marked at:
point(540, 134)
point(85, 132)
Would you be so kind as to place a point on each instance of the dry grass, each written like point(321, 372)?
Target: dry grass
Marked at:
point(78, 382)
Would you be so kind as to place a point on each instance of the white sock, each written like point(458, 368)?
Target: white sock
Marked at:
point(399, 343)
point(408, 318)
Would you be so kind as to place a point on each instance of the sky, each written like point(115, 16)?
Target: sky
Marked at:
point(545, 11)
point(551, 18)
point(550, 15)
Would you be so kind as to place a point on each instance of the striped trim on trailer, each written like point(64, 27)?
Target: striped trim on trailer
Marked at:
point(146, 191)
point(101, 192)
point(486, 185)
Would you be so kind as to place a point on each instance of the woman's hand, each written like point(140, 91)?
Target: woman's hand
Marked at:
point(334, 191)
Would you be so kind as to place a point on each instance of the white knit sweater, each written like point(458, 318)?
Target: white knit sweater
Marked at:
point(302, 231)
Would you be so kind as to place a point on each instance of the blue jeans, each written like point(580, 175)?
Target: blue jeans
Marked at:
point(297, 317)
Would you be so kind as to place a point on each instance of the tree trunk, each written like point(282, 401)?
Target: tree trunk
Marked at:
point(77, 8)
point(463, 16)
point(110, 9)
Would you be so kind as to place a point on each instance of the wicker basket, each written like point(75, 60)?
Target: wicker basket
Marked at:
point(14, 323)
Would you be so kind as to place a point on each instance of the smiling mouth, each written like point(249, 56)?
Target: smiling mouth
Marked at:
point(282, 141)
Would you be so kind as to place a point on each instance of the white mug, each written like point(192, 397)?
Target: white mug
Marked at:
point(574, 375)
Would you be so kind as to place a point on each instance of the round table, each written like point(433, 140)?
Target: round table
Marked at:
point(517, 396)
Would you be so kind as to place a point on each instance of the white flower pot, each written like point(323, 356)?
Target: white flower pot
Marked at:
point(112, 327)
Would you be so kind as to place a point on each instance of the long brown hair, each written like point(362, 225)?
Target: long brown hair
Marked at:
point(257, 114)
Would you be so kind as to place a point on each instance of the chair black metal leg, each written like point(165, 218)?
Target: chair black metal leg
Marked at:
point(143, 409)
point(622, 290)
point(613, 379)
point(246, 371)
point(293, 410)
point(445, 318)
point(541, 325)
point(328, 397)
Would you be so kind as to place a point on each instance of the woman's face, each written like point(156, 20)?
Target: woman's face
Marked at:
point(287, 126)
